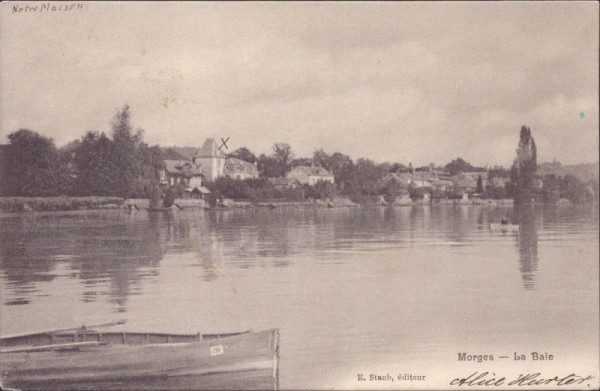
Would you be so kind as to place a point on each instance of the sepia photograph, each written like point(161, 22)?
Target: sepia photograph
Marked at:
point(301, 195)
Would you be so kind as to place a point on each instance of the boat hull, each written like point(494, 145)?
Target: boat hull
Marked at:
point(243, 361)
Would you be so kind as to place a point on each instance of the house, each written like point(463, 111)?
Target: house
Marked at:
point(439, 184)
point(285, 183)
point(498, 181)
point(464, 183)
point(211, 159)
point(310, 175)
point(239, 169)
point(196, 192)
point(216, 164)
point(181, 172)
point(398, 181)
point(420, 180)
point(186, 174)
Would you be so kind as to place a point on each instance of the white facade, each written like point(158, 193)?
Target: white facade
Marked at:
point(310, 175)
point(211, 159)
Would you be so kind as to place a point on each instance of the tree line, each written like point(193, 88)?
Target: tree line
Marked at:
point(119, 164)
point(122, 164)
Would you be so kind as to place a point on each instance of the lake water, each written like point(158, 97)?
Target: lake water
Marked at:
point(353, 291)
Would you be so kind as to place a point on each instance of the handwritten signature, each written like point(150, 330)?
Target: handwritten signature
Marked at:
point(530, 379)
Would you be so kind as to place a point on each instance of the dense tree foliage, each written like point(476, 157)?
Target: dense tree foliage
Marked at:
point(149, 164)
point(278, 164)
point(268, 167)
point(33, 167)
point(171, 154)
point(4, 177)
point(321, 159)
point(126, 143)
point(366, 175)
point(495, 192)
point(302, 161)
point(95, 162)
point(321, 190)
point(244, 154)
point(498, 171)
point(95, 165)
point(123, 166)
point(458, 166)
point(524, 167)
point(258, 189)
point(282, 153)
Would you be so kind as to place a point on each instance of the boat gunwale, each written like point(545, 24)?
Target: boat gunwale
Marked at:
point(93, 331)
point(197, 337)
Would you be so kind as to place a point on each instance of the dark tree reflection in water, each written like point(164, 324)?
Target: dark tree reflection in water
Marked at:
point(527, 241)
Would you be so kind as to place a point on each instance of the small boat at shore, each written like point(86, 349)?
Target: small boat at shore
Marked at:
point(504, 227)
point(84, 359)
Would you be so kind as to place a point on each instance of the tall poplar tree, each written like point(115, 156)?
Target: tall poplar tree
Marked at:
point(524, 167)
point(126, 152)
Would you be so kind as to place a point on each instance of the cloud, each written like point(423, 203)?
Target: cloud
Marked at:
point(416, 82)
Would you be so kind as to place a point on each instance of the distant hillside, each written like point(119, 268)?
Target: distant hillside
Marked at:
point(584, 172)
point(176, 153)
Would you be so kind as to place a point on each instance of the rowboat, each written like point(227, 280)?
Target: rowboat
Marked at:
point(505, 227)
point(83, 359)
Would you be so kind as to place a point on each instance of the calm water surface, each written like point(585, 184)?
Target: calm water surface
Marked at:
point(365, 290)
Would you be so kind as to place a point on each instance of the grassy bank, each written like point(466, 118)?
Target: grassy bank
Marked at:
point(45, 204)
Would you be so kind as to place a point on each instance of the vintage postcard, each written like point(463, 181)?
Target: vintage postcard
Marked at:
point(299, 195)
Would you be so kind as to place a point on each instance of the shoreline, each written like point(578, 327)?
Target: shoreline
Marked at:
point(57, 204)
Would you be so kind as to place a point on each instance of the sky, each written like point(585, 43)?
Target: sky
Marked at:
point(398, 82)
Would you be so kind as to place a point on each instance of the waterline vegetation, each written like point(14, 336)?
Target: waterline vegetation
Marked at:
point(122, 165)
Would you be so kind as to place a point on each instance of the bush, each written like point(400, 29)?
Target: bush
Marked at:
point(255, 189)
point(452, 194)
point(321, 190)
point(47, 204)
point(495, 192)
point(168, 198)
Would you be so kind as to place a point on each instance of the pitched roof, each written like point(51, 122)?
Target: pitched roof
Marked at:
point(210, 149)
point(402, 179)
point(177, 167)
point(311, 171)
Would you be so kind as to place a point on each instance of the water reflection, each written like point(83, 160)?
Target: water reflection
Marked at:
point(111, 254)
point(107, 254)
point(527, 241)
